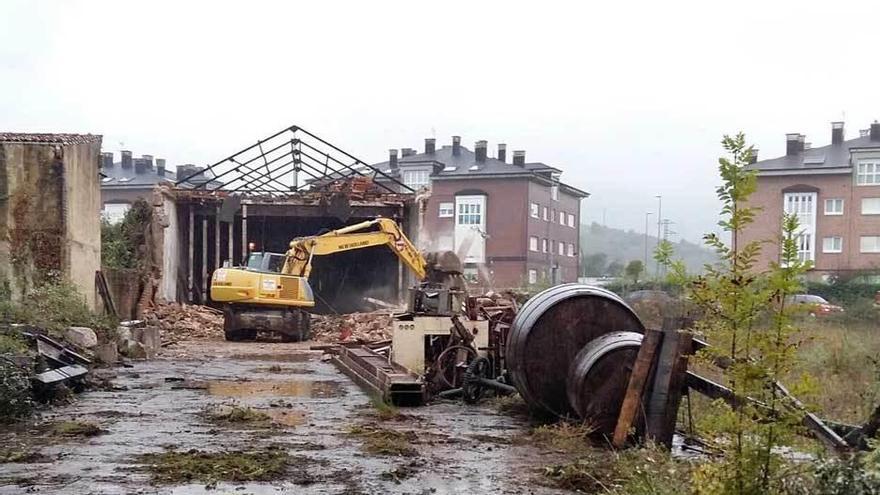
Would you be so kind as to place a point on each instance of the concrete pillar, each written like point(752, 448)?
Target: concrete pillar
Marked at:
point(204, 259)
point(244, 246)
point(190, 239)
point(217, 238)
point(231, 251)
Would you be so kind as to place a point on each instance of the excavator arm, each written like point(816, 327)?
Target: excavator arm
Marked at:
point(357, 236)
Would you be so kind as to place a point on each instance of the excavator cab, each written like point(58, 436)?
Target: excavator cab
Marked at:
point(265, 262)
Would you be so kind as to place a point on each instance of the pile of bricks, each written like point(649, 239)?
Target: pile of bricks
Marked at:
point(355, 327)
point(185, 322)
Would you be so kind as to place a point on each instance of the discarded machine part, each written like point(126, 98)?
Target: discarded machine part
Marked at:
point(598, 378)
point(422, 337)
point(388, 380)
point(478, 379)
point(548, 333)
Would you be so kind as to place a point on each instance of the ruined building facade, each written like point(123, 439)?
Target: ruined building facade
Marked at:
point(49, 211)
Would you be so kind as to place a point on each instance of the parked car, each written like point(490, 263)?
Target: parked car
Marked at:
point(816, 305)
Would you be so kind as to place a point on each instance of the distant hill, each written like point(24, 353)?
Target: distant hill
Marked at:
point(606, 249)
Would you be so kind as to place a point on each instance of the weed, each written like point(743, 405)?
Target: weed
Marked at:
point(213, 467)
point(513, 405)
point(16, 401)
point(585, 474)
point(383, 410)
point(12, 344)
point(382, 441)
point(239, 415)
point(74, 429)
point(275, 368)
point(20, 456)
point(562, 436)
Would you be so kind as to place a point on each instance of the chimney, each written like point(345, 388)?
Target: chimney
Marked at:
point(140, 165)
point(754, 158)
point(160, 167)
point(480, 150)
point(148, 159)
point(836, 132)
point(864, 132)
point(392, 159)
point(801, 142)
point(405, 152)
point(875, 131)
point(519, 158)
point(429, 145)
point(125, 158)
point(456, 145)
point(106, 160)
point(807, 146)
point(791, 143)
point(502, 152)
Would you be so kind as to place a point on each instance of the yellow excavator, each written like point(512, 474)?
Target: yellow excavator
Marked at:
point(271, 293)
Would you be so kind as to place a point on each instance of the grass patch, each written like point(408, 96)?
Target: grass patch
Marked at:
point(74, 429)
point(174, 467)
point(21, 456)
point(385, 410)
point(12, 344)
point(382, 441)
point(562, 436)
point(238, 415)
point(512, 405)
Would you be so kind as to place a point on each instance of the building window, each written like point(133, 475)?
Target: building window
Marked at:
point(870, 206)
point(868, 173)
point(554, 193)
point(571, 250)
point(832, 244)
point(834, 207)
point(447, 210)
point(470, 214)
point(533, 210)
point(533, 276)
point(416, 179)
point(804, 247)
point(114, 212)
point(561, 218)
point(533, 243)
point(546, 214)
point(561, 248)
point(544, 245)
point(869, 244)
point(571, 220)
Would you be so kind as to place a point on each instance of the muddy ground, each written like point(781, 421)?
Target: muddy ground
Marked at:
point(163, 405)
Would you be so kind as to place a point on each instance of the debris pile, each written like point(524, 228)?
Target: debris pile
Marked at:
point(185, 322)
point(355, 327)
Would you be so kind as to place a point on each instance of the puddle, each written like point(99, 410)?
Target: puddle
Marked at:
point(293, 357)
point(280, 388)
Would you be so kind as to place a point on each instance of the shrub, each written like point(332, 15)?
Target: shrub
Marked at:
point(16, 401)
point(53, 307)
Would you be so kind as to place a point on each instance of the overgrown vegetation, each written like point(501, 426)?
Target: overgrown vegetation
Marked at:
point(212, 467)
point(238, 415)
point(563, 436)
point(16, 401)
point(54, 306)
point(120, 242)
point(383, 410)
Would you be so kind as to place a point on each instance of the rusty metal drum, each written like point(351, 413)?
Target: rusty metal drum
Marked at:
point(598, 378)
point(548, 333)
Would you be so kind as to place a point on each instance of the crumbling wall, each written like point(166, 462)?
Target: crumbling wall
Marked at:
point(82, 210)
point(31, 216)
point(171, 244)
point(49, 215)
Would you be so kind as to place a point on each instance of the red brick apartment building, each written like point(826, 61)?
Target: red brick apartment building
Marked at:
point(834, 190)
point(514, 223)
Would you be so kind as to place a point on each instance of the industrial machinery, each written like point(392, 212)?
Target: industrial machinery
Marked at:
point(271, 292)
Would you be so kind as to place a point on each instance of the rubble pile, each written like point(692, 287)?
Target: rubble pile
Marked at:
point(355, 327)
point(185, 322)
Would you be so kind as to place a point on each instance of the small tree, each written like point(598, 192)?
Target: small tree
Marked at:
point(634, 270)
point(615, 268)
point(737, 300)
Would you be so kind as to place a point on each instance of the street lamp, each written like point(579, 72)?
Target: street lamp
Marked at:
point(659, 222)
point(647, 214)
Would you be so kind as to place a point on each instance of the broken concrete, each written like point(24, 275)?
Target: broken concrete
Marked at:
point(81, 337)
point(107, 353)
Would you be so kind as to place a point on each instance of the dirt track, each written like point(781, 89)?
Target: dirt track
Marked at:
point(460, 448)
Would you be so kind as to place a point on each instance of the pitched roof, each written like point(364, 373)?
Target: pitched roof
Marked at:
point(465, 165)
point(48, 138)
point(830, 156)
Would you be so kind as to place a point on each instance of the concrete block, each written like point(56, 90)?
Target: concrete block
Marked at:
point(136, 350)
point(149, 338)
point(81, 336)
point(107, 353)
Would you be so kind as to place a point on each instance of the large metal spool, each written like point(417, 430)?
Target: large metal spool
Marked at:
point(598, 378)
point(548, 333)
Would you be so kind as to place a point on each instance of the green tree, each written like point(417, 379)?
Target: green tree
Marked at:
point(738, 300)
point(615, 268)
point(634, 270)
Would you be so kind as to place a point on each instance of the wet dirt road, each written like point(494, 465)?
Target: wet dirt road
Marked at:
point(161, 404)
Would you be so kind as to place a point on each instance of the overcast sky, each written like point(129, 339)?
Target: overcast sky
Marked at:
point(630, 99)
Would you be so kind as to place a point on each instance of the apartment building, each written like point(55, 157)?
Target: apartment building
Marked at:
point(514, 223)
point(835, 192)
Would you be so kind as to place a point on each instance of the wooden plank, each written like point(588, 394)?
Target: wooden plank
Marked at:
point(636, 387)
point(662, 392)
point(676, 383)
